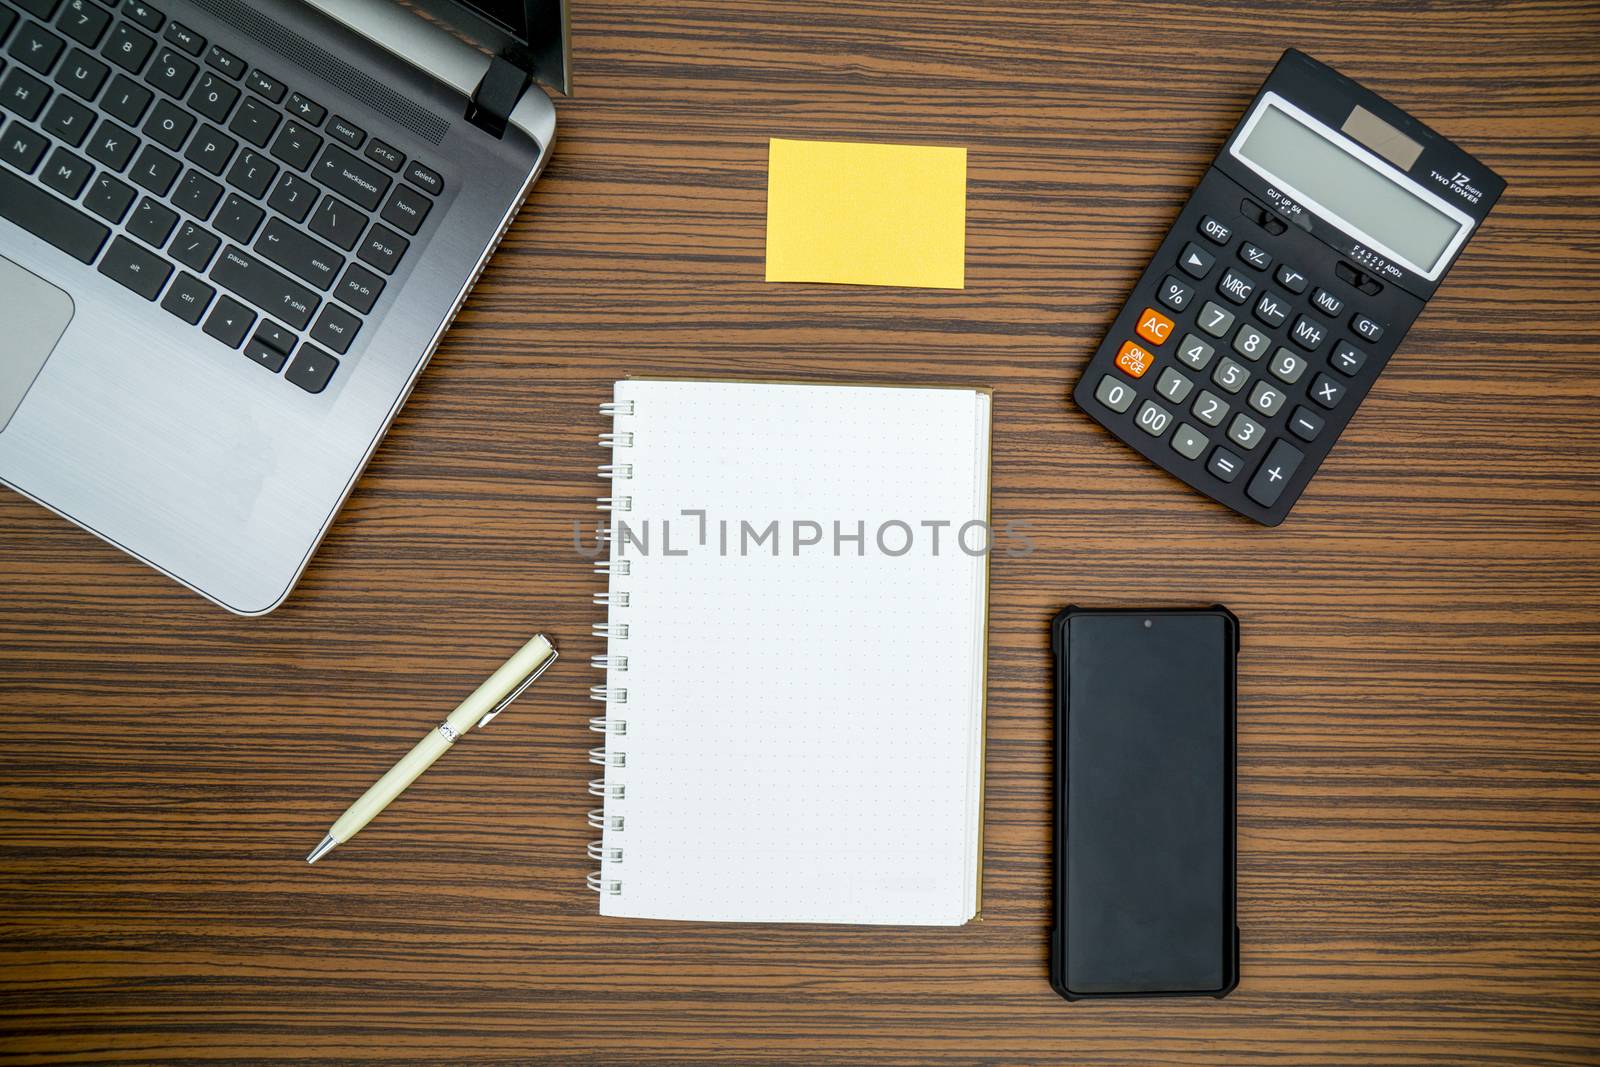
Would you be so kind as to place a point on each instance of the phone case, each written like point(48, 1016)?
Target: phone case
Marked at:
point(1229, 964)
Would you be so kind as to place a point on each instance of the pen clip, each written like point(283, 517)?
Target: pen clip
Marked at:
point(522, 685)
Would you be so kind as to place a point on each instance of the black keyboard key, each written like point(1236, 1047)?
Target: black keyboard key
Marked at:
point(134, 268)
point(213, 97)
point(155, 170)
point(182, 36)
point(83, 21)
point(265, 354)
point(126, 100)
point(312, 369)
point(1305, 423)
point(383, 248)
point(252, 173)
point(171, 73)
point(229, 64)
point(406, 209)
point(22, 147)
point(264, 286)
point(81, 74)
point(143, 14)
point(238, 218)
point(127, 47)
point(266, 85)
point(108, 198)
point(24, 94)
point(196, 195)
point(342, 129)
point(68, 120)
point(293, 197)
point(254, 122)
point(306, 110)
point(8, 19)
point(169, 124)
point(66, 173)
point(338, 222)
point(194, 246)
point(152, 223)
point(1327, 392)
point(36, 47)
point(424, 178)
point(360, 288)
point(229, 321)
point(352, 178)
point(112, 145)
point(50, 219)
point(1347, 359)
point(1272, 477)
point(277, 336)
point(296, 145)
point(39, 9)
point(335, 328)
point(188, 298)
point(384, 155)
point(211, 149)
point(305, 257)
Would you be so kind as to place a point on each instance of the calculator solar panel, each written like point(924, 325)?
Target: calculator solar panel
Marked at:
point(1308, 248)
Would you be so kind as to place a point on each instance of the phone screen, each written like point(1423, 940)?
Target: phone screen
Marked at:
point(1146, 904)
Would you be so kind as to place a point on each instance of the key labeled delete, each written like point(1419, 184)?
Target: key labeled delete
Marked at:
point(866, 214)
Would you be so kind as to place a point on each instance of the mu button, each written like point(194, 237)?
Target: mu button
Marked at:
point(1154, 326)
point(1133, 360)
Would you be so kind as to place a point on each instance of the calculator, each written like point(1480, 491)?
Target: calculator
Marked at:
point(1309, 247)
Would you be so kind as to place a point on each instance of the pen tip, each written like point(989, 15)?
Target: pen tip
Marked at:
point(325, 847)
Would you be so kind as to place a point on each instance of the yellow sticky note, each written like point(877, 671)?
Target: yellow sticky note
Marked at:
point(866, 214)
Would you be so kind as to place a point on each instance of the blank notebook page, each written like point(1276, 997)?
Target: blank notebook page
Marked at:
point(801, 734)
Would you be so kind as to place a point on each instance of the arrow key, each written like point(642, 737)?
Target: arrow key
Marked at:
point(229, 321)
point(1195, 261)
point(1272, 477)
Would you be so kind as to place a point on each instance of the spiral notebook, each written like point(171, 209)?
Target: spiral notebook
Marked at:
point(795, 645)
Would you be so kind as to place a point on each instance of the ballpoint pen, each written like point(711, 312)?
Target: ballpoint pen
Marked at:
point(486, 701)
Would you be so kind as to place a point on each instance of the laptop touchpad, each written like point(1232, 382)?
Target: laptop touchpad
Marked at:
point(35, 314)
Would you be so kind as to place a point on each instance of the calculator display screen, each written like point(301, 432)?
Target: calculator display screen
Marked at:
point(1350, 188)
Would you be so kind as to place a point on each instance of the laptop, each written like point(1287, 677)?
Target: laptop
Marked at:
point(231, 235)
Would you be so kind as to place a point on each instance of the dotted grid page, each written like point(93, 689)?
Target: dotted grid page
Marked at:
point(803, 734)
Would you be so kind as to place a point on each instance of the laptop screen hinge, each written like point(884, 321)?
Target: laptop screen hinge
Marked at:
point(497, 94)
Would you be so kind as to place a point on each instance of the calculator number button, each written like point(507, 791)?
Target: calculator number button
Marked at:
point(1326, 391)
point(1347, 358)
point(1210, 409)
point(1267, 400)
point(1291, 279)
point(1367, 327)
point(1272, 477)
point(1133, 360)
point(1255, 255)
point(1214, 231)
point(1225, 465)
point(1272, 309)
point(1230, 375)
point(1286, 366)
point(1215, 319)
point(1236, 287)
point(1195, 352)
point(1305, 424)
point(1174, 386)
point(1326, 301)
point(1195, 261)
point(1250, 342)
point(1175, 294)
point(1245, 431)
point(1308, 333)
point(1154, 419)
point(1154, 326)
point(1189, 442)
point(1118, 396)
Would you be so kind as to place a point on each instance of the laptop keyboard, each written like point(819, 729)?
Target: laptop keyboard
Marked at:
point(195, 180)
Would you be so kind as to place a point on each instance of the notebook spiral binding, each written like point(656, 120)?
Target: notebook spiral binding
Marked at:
point(612, 662)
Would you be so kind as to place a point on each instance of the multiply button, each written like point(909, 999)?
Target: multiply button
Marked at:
point(1274, 473)
point(1326, 391)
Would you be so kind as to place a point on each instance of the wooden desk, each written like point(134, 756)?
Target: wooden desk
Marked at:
point(1419, 754)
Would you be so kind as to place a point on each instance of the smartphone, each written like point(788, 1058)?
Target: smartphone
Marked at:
point(1144, 820)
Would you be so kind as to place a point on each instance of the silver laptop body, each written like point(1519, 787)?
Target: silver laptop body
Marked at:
point(124, 407)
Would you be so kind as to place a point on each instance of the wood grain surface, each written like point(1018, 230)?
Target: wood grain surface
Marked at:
point(1419, 721)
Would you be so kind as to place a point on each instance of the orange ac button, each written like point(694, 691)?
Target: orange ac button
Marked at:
point(1154, 326)
point(1133, 360)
